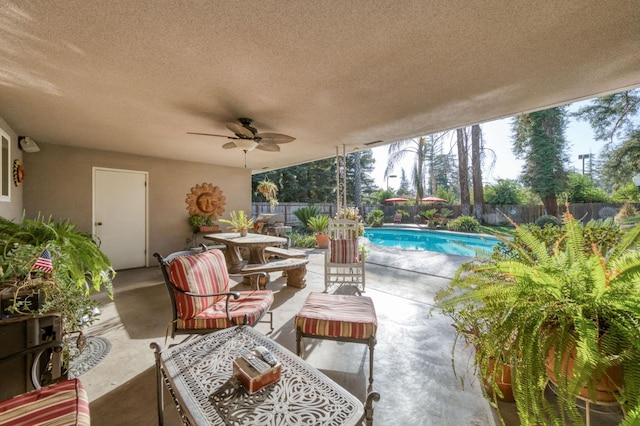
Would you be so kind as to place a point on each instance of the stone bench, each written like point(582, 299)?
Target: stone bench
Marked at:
point(286, 253)
point(258, 274)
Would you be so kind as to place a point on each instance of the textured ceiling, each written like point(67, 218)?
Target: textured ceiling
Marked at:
point(135, 76)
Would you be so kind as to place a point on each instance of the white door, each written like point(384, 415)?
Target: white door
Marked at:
point(120, 216)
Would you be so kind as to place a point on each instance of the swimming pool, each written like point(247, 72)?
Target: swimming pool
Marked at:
point(440, 241)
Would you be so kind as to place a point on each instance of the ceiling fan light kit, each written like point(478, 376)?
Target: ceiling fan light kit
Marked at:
point(246, 144)
point(247, 137)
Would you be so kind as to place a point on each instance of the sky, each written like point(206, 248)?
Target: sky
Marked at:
point(497, 137)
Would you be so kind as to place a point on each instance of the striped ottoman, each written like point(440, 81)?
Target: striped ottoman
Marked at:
point(338, 317)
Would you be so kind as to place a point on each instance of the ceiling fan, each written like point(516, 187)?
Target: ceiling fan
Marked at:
point(247, 137)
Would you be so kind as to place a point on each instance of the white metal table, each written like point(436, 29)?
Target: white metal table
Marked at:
point(198, 374)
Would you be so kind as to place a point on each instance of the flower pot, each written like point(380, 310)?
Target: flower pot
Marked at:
point(243, 232)
point(322, 241)
point(607, 385)
point(208, 229)
point(502, 378)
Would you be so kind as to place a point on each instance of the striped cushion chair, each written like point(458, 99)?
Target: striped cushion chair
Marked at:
point(61, 404)
point(198, 285)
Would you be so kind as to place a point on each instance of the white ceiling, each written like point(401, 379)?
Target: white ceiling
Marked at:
point(134, 76)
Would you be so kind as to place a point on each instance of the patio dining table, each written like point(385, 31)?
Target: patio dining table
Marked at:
point(255, 243)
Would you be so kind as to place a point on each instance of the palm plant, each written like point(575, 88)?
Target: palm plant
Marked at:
point(305, 213)
point(542, 304)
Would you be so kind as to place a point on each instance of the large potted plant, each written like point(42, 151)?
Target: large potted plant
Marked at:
point(544, 302)
point(49, 266)
point(320, 225)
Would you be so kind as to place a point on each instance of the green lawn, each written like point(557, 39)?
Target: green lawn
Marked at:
point(505, 231)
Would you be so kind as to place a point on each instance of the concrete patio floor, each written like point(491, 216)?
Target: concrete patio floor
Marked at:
point(412, 364)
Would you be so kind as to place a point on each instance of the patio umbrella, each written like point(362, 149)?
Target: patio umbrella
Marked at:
point(433, 200)
point(396, 200)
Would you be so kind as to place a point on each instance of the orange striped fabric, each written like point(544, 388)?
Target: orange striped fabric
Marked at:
point(61, 404)
point(344, 251)
point(253, 304)
point(334, 315)
point(201, 273)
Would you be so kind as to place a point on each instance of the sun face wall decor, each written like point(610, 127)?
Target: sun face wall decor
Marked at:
point(206, 200)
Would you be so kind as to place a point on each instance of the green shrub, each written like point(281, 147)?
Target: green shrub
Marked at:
point(464, 224)
point(305, 213)
point(375, 218)
point(543, 220)
point(604, 234)
point(302, 240)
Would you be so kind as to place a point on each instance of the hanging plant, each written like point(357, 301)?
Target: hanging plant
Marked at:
point(269, 190)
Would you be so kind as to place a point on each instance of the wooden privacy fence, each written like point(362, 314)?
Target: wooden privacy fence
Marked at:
point(493, 215)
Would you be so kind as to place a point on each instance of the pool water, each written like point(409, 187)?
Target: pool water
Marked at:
point(439, 241)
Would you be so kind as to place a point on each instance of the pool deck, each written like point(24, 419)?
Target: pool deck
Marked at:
point(420, 261)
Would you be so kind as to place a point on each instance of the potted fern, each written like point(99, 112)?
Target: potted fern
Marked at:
point(50, 266)
point(544, 303)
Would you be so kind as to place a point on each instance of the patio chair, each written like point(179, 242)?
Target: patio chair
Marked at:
point(397, 218)
point(344, 263)
point(198, 285)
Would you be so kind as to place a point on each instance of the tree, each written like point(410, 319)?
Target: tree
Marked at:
point(404, 188)
point(582, 190)
point(463, 170)
point(419, 149)
point(612, 116)
point(315, 182)
point(615, 121)
point(360, 165)
point(539, 140)
point(476, 167)
point(506, 191)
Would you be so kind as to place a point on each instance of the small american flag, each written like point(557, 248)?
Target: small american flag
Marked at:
point(43, 263)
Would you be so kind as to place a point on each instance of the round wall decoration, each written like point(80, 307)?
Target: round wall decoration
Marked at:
point(18, 173)
point(206, 200)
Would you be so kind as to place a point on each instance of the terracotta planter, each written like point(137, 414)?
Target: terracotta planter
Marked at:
point(607, 385)
point(209, 229)
point(322, 241)
point(503, 380)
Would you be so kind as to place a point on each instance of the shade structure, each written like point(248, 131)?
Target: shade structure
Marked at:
point(396, 200)
point(433, 200)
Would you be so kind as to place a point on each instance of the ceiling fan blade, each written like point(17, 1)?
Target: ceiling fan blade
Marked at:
point(239, 129)
point(268, 147)
point(229, 145)
point(211, 134)
point(275, 138)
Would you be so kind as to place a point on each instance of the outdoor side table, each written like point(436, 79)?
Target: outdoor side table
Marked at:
point(198, 373)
